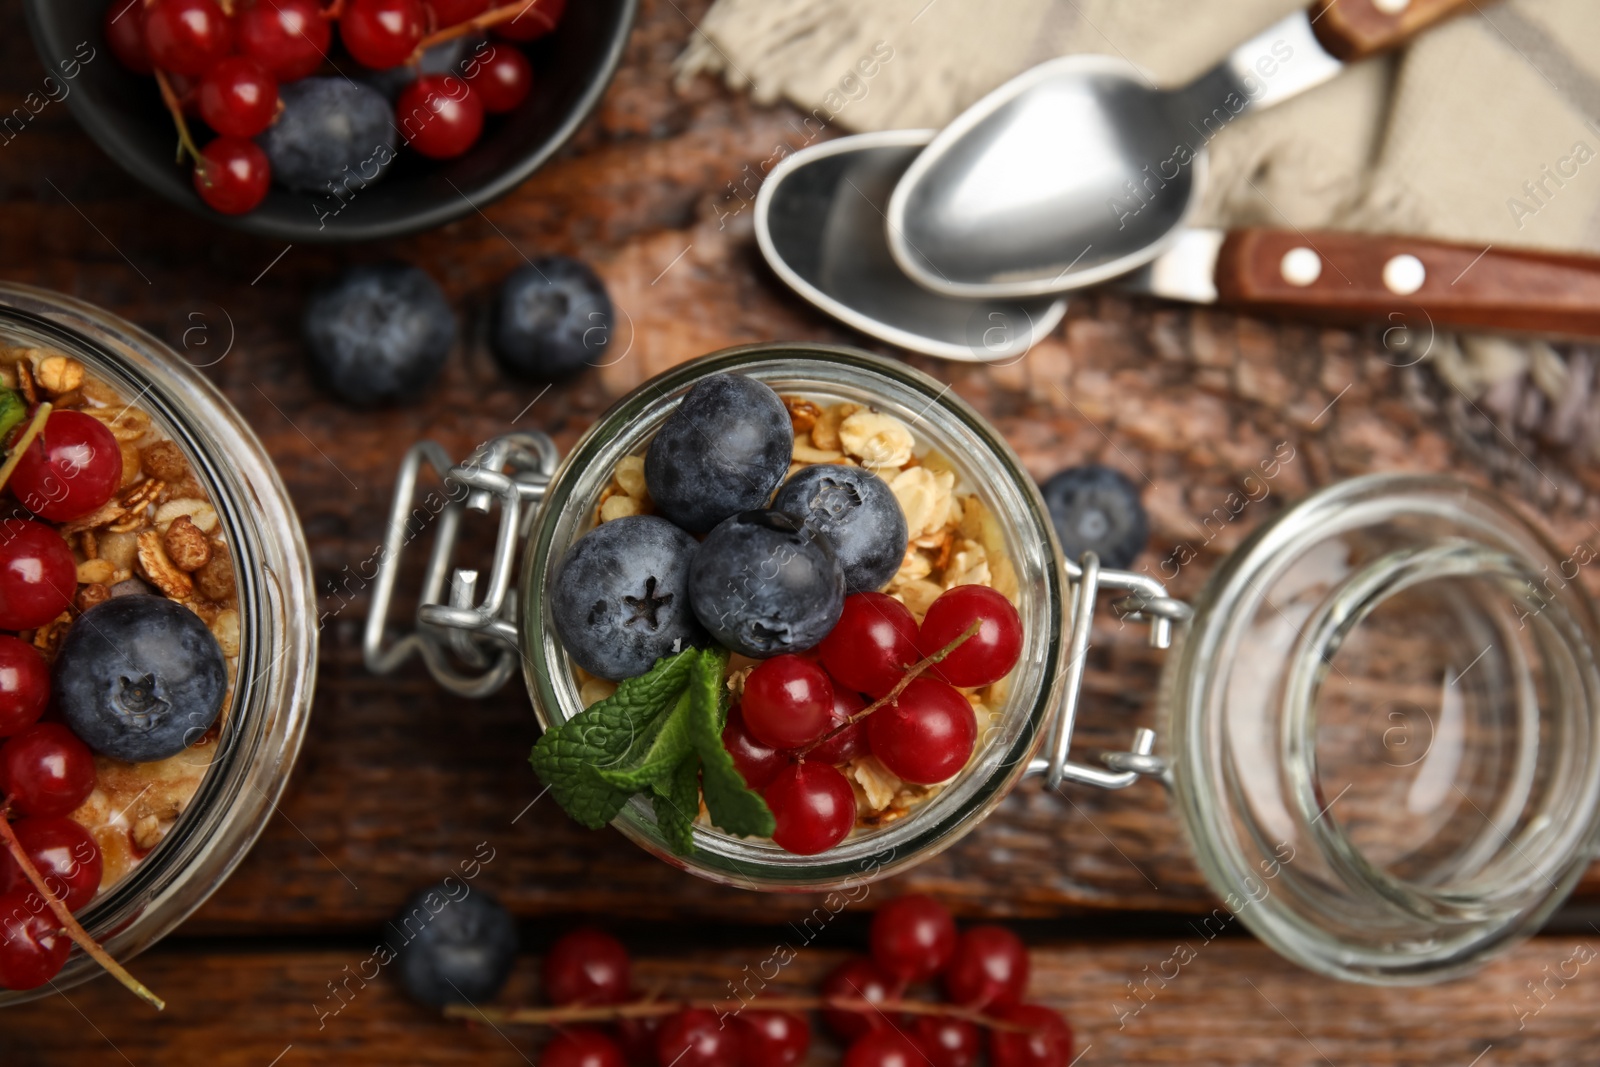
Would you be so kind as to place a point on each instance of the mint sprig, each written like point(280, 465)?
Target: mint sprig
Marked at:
point(658, 734)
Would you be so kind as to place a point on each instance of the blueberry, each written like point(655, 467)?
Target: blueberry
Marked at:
point(380, 333)
point(140, 678)
point(1096, 509)
point(764, 584)
point(723, 451)
point(332, 136)
point(446, 57)
point(453, 944)
point(553, 319)
point(859, 515)
point(621, 597)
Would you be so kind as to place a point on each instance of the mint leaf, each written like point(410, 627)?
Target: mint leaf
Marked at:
point(734, 807)
point(654, 759)
point(569, 757)
point(677, 807)
point(12, 411)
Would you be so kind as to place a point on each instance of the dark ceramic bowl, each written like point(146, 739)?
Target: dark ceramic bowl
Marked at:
point(124, 114)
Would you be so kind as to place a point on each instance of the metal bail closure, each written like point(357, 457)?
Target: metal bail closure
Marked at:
point(479, 634)
point(1146, 600)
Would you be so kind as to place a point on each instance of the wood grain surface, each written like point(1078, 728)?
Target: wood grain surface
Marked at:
point(399, 782)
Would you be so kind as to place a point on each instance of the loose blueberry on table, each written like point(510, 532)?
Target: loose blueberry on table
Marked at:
point(741, 562)
point(246, 69)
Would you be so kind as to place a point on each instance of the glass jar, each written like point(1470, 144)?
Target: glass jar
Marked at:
point(262, 727)
point(1418, 596)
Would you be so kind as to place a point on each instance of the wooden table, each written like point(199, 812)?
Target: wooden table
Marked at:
point(399, 782)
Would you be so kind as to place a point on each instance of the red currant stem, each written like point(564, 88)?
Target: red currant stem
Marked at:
point(334, 11)
point(492, 17)
point(583, 1013)
point(170, 98)
point(71, 926)
point(35, 427)
point(899, 687)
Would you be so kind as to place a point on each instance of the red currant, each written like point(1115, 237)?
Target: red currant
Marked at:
point(537, 18)
point(186, 36)
point(502, 78)
point(857, 979)
point(637, 1038)
point(1048, 1045)
point(288, 37)
point(989, 968)
point(64, 854)
point(238, 98)
point(913, 937)
point(581, 1046)
point(813, 806)
point(37, 574)
point(883, 1048)
point(233, 175)
point(440, 115)
point(24, 687)
point(696, 1037)
point(871, 645)
point(988, 655)
point(927, 734)
point(788, 702)
point(33, 947)
point(946, 1042)
point(773, 1038)
point(849, 743)
point(70, 469)
point(45, 770)
point(755, 762)
point(587, 966)
point(450, 12)
point(124, 30)
point(382, 33)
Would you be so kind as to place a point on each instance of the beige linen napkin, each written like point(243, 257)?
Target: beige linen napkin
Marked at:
point(1485, 129)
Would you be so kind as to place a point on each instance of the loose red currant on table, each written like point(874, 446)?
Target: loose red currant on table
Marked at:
point(913, 937)
point(124, 30)
point(989, 968)
point(440, 115)
point(883, 1048)
point(637, 1038)
point(65, 856)
point(537, 18)
point(871, 645)
point(450, 12)
point(581, 1046)
point(382, 33)
point(37, 574)
point(233, 175)
point(988, 655)
point(186, 36)
point(70, 469)
point(502, 78)
point(45, 770)
point(1048, 1045)
point(587, 966)
point(788, 702)
point(927, 734)
point(812, 805)
point(238, 98)
point(289, 38)
point(756, 763)
point(857, 979)
point(946, 1042)
point(24, 688)
point(696, 1037)
point(33, 947)
point(849, 743)
point(773, 1038)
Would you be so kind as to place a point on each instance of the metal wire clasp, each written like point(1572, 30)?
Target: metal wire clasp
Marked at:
point(480, 634)
point(1146, 600)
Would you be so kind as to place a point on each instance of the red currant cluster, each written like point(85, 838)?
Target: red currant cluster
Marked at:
point(224, 60)
point(801, 715)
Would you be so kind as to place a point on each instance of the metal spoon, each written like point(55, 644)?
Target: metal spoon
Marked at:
point(819, 222)
point(1080, 169)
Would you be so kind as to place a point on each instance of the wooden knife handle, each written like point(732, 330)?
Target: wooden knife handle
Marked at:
point(1355, 29)
point(1352, 276)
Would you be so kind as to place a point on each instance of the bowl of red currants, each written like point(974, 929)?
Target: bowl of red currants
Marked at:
point(331, 120)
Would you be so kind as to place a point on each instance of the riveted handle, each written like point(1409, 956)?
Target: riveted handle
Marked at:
point(1355, 277)
point(1355, 29)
